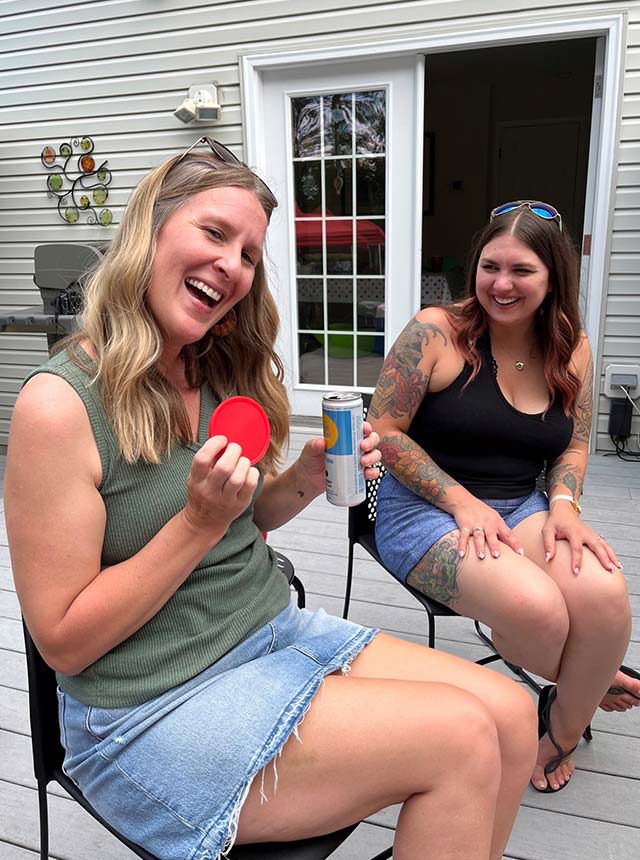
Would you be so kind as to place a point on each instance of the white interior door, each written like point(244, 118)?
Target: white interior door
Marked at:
point(342, 146)
point(588, 304)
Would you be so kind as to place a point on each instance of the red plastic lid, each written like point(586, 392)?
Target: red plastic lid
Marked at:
point(244, 421)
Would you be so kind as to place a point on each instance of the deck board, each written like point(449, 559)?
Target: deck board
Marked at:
point(596, 818)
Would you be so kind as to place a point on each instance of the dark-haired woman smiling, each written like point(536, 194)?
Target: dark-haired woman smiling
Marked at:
point(472, 402)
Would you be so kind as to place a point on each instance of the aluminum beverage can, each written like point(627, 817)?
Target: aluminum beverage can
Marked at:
point(342, 427)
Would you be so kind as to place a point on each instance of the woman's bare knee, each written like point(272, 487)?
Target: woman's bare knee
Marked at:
point(534, 631)
point(465, 739)
point(604, 606)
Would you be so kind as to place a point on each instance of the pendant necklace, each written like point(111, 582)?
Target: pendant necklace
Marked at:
point(519, 364)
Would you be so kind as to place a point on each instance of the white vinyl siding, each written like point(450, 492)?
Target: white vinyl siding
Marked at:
point(621, 330)
point(116, 70)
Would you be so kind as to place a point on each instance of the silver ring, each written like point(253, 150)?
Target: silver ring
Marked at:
point(478, 529)
point(465, 529)
point(601, 537)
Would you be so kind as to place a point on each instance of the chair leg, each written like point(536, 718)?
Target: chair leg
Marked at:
point(300, 592)
point(44, 821)
point(490, 659)
point(432, 629)
point(347, 591)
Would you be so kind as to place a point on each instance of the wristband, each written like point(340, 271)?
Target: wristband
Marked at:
point(576, 507)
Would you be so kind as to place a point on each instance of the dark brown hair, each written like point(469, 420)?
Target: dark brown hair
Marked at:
point(558, 322)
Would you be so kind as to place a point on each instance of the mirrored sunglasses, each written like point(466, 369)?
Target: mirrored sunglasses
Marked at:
point(222, 153)
point(542, 210)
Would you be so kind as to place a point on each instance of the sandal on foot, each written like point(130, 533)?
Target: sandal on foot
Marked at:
point(617, 690)
point(547, 697)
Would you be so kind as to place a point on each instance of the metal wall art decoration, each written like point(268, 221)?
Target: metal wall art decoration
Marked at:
point(79, 185)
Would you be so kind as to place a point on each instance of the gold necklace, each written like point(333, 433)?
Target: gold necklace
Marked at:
point(519, 364)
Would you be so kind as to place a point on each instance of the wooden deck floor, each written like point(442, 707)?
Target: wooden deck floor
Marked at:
point(596, 818)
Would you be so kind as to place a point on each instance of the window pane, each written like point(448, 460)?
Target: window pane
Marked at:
point(309, 247)
point(340, 303)
point(308, 189)
point(339, 247)
point(338, 187)
point(306, 126)
point(339, 176)
point(370, 190)
point(370, 358)
point(370, 304)
point(310, 304)
point(311, 358)
point(338, 124)
point(371, 122)
point(371, 246)
point(341, 364)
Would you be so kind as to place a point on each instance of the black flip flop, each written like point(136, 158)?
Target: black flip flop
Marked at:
point(617, 690)
point(546, 699)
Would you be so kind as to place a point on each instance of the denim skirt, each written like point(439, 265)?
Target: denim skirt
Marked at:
point(172, 773)
point(407, 526)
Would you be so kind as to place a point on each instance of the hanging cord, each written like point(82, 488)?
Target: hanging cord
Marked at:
point(621, 445)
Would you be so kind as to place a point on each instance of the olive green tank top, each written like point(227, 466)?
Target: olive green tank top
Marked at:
point(235, 589)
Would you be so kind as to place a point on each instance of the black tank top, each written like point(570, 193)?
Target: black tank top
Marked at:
point(481, 440)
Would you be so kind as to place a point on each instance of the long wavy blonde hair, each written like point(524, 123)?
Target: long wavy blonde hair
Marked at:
point(147, 412)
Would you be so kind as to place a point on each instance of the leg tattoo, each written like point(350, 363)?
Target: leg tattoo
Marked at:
point(436, 574)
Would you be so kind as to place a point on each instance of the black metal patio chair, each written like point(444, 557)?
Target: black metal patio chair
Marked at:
point(48, 756)
point(362, 519)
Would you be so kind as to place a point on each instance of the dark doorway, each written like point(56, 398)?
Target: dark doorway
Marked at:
point(501, 124)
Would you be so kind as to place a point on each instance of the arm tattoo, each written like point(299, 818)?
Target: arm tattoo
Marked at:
point(436, 573)
point(565, 476)
point(402, 385)
point(584, 406)
point(413, 467)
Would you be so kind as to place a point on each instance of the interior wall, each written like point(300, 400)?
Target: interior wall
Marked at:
point(467, 95)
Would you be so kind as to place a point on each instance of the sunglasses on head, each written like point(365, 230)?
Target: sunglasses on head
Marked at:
point(542, 210)
point(222, 153)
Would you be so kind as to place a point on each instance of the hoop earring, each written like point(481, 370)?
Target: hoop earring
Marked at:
point(226, 325)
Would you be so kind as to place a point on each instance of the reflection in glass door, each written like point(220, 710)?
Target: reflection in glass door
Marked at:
point(339, 179)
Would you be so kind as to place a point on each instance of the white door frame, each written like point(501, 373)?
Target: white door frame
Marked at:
point(402, 79)
point(483, 35)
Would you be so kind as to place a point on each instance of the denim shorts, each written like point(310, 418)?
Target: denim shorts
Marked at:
point(407, 526)
point(172, 774)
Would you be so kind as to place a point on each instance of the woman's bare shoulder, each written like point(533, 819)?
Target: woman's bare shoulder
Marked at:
point(582, 358)
point(50, 427)
point(438, 322)
point(50, 410)
point(434, 314)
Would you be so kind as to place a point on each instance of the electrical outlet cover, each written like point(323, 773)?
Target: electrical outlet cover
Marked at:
point(626, 370)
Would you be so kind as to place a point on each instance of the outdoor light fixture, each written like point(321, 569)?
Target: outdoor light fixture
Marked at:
point(200, 105)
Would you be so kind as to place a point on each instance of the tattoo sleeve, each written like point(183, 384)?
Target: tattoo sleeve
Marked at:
point(400, 390)
point(414, 468)
point(566, 474)
point(402, 384)
point(584, 406)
